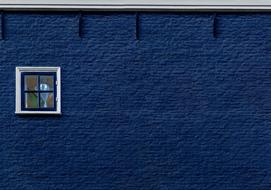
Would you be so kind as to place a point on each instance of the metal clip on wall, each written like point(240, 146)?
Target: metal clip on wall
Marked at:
point(80, 25)
point(137, 26)
point(2, 25)
point(215, 26)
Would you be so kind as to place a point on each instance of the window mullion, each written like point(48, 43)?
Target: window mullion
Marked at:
point(39, 89)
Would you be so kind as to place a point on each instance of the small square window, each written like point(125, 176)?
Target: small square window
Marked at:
point(38, 90)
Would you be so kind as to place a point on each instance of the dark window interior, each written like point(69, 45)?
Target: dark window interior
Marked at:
point(38, 91)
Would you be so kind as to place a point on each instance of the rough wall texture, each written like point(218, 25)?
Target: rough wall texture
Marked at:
point(176, 110)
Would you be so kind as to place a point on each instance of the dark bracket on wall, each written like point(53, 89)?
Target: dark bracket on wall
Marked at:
point(2, 25)
point(215, 26)
point(80, 25)
point(137, 26)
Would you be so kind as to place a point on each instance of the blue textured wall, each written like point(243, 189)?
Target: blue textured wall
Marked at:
point(177, 110)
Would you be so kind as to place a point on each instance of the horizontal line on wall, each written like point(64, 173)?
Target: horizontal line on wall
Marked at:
point(181, 8)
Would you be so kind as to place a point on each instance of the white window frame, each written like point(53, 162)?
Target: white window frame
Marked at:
point(19, 71)
point(131, 5)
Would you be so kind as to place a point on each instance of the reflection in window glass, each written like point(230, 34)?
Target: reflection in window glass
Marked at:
point(31, 100)
point(46, 83)
point(39, 91)
point(46, 100)
point(31, 82)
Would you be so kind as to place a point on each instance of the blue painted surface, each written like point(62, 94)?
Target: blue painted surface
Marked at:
point(176, 110)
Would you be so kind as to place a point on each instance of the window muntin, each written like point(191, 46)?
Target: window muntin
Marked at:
point(38, 91)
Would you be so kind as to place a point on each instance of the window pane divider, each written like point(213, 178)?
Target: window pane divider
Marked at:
point(37, 91)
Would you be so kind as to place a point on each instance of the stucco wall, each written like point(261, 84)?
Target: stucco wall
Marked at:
point(176, 110)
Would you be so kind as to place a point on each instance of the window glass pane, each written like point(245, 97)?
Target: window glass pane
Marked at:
point(46, 83)
point(31, 82)
point(46, 100)
point(31, 100)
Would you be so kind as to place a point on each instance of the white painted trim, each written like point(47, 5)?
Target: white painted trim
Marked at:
point(19, 70)
point(133, 5)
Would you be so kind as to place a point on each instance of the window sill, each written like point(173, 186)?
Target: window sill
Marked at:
point(38, 113)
